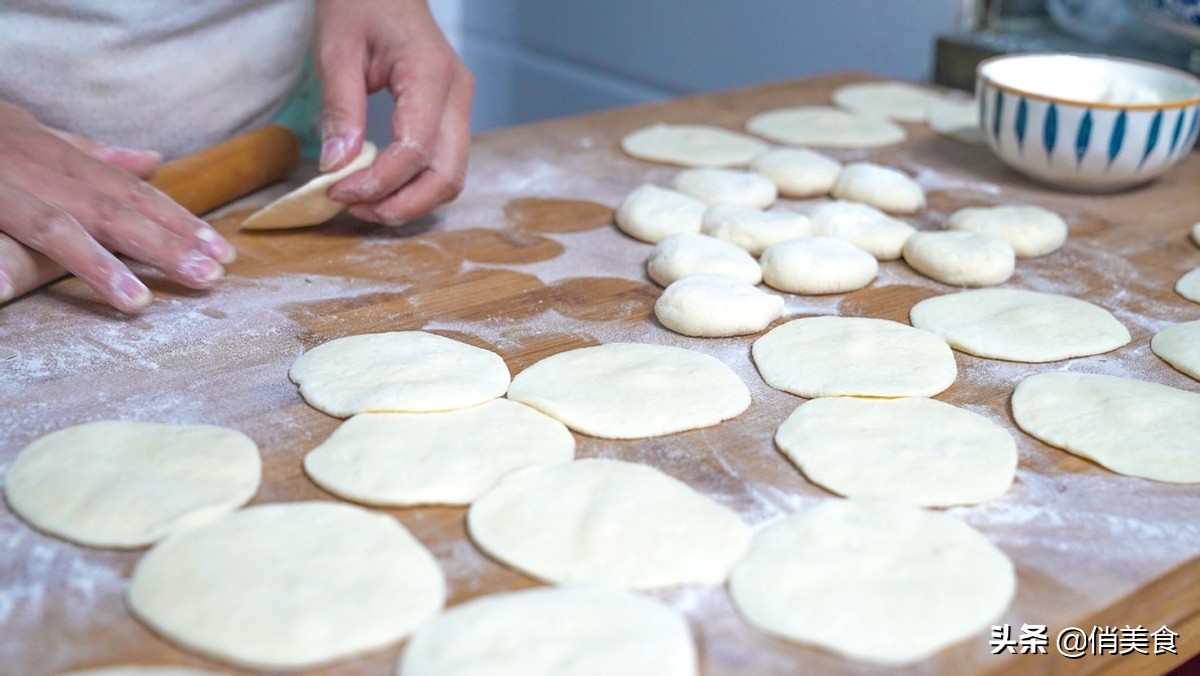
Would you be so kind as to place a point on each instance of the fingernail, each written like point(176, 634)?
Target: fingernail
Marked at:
point(216, 246)
point(131, 290)
point(332, 152)
point(200, 267)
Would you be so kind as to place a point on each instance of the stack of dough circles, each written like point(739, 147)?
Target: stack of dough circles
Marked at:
point(1031, 230)
point(960, 258)
point(310, 204)
point(752, 229)
point(652, 214)
point(608, 522)
point(958, 120)
point(894, 100)
point(716, 306)
point(817, 265)
point(1019, 325)
point(916, 450)
point(288, 586)
point(798, 172)
point(854, 356)
point(726, 186)
point(632, 390)
point(443, 458)
point(399, 371)
point(1179, 346)
point(1188, 286)
point(862, 225)
point(824, 127)
point(689, 253)
point(873, 580)
point(882, 187)
point(582, 629)
point(1130, 426)
point(692, 145)
point(129, 484)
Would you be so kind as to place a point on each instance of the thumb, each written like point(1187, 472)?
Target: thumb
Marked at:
point(140, 163)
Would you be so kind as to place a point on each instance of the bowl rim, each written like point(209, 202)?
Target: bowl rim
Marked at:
point(980, 77)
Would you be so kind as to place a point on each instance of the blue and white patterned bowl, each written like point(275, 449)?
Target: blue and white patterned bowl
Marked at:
point(1093, 123)
point(1181, 17)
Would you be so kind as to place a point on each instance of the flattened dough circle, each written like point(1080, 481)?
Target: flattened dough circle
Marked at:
point(1179, 346)
point(824, 126)
point(692, 145)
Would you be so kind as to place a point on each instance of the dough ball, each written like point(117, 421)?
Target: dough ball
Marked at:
point(725, 186)
point(1019, 325)
point(960, 258)
point(862, 225)
point(692, 145)
point(444, 458)
point(607, 521)
point(854, 356)
point(632, 390)
point(288, 586)
point(686, 254)
point(1032, 231)
point(1179, 346)
point(398, 372)
point(117, 483)
point(917, 450)
point(652, 214)
point(824, 127)
point(1196, 234)
point(957, 119)
point(873, 580)
point(881, 187)
point(798, 172)
point(552, 631)
point(816, 265)
point(751, 229)
point(1130, 426)
point(893, 100)
point(1188, 286)
point(310, 204)
point(716, 306)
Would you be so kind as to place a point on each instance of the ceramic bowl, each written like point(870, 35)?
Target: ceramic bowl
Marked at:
point(1181, 17)
point(1091, 123)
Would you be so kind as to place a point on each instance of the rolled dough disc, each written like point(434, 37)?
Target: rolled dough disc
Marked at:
point(692, 145)
point(824, 126)
point(957, 119)
point(1179, 346)
point(1189, 286)
point(893, 100)
point(309, 204)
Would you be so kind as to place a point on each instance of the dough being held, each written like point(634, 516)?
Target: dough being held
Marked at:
point(881, 187)
point(686, 254)
point(716, 306)
point(692, 145)
point(1031, 230)
point(310, 204)
point(798, 172)
point(652, 214)
point(960, 258)
point(725, 186)
point(862, 225)
point(752, 229)
point(817, 265)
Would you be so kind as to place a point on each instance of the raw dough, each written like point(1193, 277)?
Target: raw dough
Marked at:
point(143, 670)
point(798, 172)
point(446, 458)
point(1130, 426)
point(726, 186)
point(920, 451)
point(716, 306)
point(399, 371)
point(957, 119)
point(854, 356)
point(1196, 233)
point(652, 214)
point(873, 580)
point(1019, 325)
point(288, 586)
point(582, 629)
point(686, 254)
point(692, 145)
point(1032, 231)
point(1188, 286)
point(862, 225)
point(309, 204)
point(1179, 346)
point(881, 187)
point(632, 390)
point(751, 229)
point(815, 265)
point(894, 100)
point(960, 258)
point(117, 483)
point(607, 521)
point(825, 127)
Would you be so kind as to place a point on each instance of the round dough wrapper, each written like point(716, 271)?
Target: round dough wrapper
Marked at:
point(582, 629)
point(1019, 325)
point(916, 450)
point(1188, 286)
point(686, 254)
point(1179, 346)
point(726, 186)
point(143, 670)
point(652, 214)
point(288, 586)
point(692, 145)
point(893, 100)
point(881, 187)
point(397, 372)
point(798, 172)
point(824, 127)
point(632, 390)
point(1130, 426)
point(716, 306)
point(752, 229)
point(854, 356)
point(310, 204)
point(862, 225)
point(445, 458)
point(957, 119)
point(817, 265)
point(960, 258)
point(610, 522)
point(1032, 231)
point(873, 580)
point(126, 484)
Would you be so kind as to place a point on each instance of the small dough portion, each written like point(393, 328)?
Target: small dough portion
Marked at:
point(288, 586)
point(551, 631)
point(689, 253)
point(652, 214)
point(878, 581)
point(632, 390)
point(958, 120)
point(894, 100)
point(1188, 286)
point(752, 229)
point(1019, 325)
point(824, 127)
point(798, 172)
point(1031, 230)
point(607, 521)
point(916, 450)
point(692, 145)
point(960, 258)
point(854, 356)
point(1196, 233)
point(716, 306)
point(117, 483)
point(444, 458)
point(862, 225)
point(1130, 426)
point(726, 186)
point(1179, 346)
point(817, 265)
point(882, 187)
point(309, 204)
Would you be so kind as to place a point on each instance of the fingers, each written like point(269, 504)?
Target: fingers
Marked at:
point(140, 163)
point(343, 102)
point(22, 269)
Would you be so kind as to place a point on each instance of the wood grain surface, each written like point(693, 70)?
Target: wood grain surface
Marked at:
point(527, 263)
